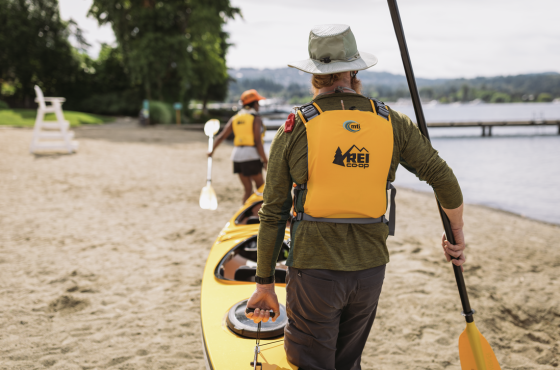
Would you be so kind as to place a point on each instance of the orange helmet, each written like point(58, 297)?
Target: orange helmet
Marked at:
point(250, 96)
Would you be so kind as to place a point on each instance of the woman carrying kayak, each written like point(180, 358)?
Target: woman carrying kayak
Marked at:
point(248, 155)
point(340, 153)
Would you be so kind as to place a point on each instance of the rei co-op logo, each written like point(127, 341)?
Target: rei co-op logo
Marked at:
point(351, 126)
point(354, 157)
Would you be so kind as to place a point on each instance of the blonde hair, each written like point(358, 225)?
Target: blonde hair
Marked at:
point(320, 81)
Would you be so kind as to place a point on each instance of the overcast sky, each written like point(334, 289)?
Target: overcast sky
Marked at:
point(459, 38)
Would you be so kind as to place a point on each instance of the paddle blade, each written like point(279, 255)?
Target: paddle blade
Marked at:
point(475, 351)
point(212, 127)
point(208, 199)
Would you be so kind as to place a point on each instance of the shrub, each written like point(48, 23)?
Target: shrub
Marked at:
point(161, 112)
point(499, 97)
point(544, 98)
point(126, 102)
point(4, 105)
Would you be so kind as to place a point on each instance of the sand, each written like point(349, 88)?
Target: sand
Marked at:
point(102, 252)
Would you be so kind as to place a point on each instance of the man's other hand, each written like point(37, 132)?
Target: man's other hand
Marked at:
point(455, 250)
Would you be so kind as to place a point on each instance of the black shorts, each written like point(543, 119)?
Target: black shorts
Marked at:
point(249, 168)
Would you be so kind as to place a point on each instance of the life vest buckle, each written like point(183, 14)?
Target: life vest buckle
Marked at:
point(309, 111)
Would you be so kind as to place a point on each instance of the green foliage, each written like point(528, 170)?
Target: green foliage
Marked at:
point(167, 50)
point(544, 97)
point(4, 105)
point(35, 49)
point(499, 97)
point(494, 89)
point(106, 90)
point(174, 49)
point(26, 118)
point(7, 88)
point(287, 84)
point(161, 112)
point(125, 102)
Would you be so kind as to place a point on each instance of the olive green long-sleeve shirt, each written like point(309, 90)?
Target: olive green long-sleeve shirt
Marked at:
point(342, 247)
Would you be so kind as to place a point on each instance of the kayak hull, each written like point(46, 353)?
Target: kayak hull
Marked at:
point(223, 348)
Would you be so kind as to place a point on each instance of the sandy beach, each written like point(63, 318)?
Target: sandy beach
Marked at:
point(102, 253)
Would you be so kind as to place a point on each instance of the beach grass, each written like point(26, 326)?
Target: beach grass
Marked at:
point(26, 118)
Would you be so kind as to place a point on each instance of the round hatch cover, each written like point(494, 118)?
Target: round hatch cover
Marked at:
point(240, 324)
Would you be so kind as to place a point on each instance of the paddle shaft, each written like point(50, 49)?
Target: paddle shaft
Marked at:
point(399, 31)
point(210, 147)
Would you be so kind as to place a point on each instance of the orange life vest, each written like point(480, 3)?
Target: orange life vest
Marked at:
point(349, 155)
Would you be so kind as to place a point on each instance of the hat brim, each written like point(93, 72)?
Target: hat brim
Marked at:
point(365, 61)
point(254, 100)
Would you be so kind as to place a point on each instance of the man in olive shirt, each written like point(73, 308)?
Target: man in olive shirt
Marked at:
point(336, 270)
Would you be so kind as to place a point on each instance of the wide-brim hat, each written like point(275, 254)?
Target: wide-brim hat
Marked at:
point(333, 49)
point(250, 96)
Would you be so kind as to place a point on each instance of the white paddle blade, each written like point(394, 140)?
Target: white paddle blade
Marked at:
point(208, 199)
point(212, 127)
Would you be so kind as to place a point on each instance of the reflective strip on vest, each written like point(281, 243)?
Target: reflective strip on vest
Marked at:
point(242, 125)
point(349, 157)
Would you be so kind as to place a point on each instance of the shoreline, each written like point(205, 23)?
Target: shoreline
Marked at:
point(490, 208)
point(102, 254)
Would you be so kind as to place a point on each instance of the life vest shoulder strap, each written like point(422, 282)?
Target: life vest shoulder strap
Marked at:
point(311, 110)
point(379, 108)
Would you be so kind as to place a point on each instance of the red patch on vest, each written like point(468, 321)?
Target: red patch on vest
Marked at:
point(290, 123)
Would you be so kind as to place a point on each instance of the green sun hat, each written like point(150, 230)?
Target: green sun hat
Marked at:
point(332, 49)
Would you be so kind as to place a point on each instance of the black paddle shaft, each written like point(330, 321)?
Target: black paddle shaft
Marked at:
point(399, 31)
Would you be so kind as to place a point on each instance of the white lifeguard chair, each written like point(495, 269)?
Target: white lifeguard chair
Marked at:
point(51, 135)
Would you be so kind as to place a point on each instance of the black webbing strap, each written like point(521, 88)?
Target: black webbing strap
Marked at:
point(297, 190)
point(393, 209)
point(380, 108)
point(309, 111)
point(360, 221)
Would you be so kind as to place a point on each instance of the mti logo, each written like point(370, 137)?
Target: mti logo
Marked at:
point(351, 126)
point(354, 157)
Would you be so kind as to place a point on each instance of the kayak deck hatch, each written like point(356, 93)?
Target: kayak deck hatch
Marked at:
point(240, 263)
point(241, 325)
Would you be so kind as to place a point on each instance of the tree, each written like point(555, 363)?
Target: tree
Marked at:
point(35, 49)
point(175, 48)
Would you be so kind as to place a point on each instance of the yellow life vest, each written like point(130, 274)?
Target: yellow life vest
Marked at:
point(349, 155)
point(243, 128)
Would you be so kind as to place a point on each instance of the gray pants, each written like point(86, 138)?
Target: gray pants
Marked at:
point(330, 314)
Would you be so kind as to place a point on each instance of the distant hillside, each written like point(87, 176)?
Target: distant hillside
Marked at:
point(287, 76)
point(292, 85)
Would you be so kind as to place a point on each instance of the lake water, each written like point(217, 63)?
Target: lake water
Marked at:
point(516, 170)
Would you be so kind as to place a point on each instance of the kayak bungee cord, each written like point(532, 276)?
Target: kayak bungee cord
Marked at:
point(474, 351)
point(255, 363)
point(258, 340)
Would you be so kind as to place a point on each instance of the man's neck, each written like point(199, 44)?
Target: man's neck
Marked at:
point(338, 84)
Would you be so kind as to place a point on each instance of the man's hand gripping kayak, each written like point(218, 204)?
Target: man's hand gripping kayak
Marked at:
point(263, 300)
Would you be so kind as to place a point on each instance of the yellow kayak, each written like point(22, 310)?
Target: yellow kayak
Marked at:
point(228, 337)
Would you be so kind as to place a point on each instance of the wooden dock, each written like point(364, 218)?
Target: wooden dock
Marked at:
point(487, 126)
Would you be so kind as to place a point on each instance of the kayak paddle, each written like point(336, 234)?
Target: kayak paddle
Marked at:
point(474, 351)
point(208, 199)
